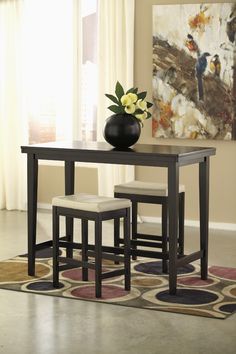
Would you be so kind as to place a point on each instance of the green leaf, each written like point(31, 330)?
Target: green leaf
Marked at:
point(139, 111)
point(149, 104)
point(112, 98)
point(116, 109)
point(135, 90)
point(131, 90)
point(142, 95)
point(148, 115)
point(119, 90)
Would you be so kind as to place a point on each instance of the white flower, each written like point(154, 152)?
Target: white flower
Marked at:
point(141, 116)
point(141, 104)
point(133, 97)
point(126, 100)
point(130, 109)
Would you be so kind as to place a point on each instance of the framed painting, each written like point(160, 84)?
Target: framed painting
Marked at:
point(194, 71)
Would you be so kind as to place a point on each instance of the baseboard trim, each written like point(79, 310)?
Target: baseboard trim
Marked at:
point(44, 206)
point(193, 223)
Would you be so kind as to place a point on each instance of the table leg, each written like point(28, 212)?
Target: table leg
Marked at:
point(32, 189)
point(204, 213)
point(69, 189)
point(173, 208)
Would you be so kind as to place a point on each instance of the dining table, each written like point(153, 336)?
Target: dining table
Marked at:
point(171, 157)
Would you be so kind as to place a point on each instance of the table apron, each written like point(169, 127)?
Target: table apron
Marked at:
point(135, 160)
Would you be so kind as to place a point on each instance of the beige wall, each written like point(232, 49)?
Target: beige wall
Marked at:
point(51, 181)
point(223, 166)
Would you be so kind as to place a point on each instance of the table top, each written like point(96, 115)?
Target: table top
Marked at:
point(101, 152)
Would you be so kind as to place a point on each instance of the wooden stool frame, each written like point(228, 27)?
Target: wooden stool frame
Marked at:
point(96, 250)
point(154, 241)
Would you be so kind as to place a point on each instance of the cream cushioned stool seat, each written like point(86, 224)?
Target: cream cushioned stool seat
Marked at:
point(90, 202)
point(151, 193)
point(92, 207)
point(147, 188)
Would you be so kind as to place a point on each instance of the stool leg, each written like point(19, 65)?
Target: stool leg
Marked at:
point(164, 237)
point(98, 257)
point(55, 232)
point(84, 232)
point(134, 226)
point(116, 234)
point(69, 189)
point(181, 222)
point(127, 249)
point(69, 235)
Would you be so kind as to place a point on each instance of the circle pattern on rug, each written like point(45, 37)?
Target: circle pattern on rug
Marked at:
point(223, 272)
point(44, 286)
point(75, 275)
point(155, 268)
point(110, 292)
point(148, 282)
point(196, 281)
point(230, 291)
point(188, 297)
point(17, 272)
point(185, 297)
point(229, 308)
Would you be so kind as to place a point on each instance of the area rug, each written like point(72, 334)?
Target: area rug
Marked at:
point(215, 297)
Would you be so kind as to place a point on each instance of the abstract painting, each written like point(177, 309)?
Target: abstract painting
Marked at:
point(194, 71)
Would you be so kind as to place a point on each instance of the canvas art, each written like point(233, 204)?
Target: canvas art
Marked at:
point(194, 71)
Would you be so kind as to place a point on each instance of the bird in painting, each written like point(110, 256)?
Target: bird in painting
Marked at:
point(215, 65)
point(191, 44)
point(231, 26)
point(201, 66)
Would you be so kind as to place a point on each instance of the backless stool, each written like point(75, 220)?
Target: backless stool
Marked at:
point(153, 193)
point(91, 207)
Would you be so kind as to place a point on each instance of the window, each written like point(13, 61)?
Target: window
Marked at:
point(48, 49)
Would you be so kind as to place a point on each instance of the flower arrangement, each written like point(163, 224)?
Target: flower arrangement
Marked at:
point(130, 102)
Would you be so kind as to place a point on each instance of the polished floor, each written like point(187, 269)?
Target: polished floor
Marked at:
point(42, 324)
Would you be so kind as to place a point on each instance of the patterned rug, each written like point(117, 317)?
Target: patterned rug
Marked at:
point(215, 297)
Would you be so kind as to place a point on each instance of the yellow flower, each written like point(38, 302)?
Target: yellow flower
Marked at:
point(126, 100)
point(141, 104)
point(133, 97)
point(130, 102)
point(141, 116)
point(130, 109)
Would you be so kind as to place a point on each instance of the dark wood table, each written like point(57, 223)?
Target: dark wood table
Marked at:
point(172, 157)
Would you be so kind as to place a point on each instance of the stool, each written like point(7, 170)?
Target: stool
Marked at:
point(153, 193)
point(91, 207)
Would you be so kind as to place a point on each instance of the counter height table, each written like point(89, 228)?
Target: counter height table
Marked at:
point(172, 157)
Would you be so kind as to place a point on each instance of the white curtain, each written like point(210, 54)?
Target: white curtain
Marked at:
point(13, 123)
point(40, 61)
point(115, 63)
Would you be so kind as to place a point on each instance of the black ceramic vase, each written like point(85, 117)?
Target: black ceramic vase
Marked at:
point(122, 130)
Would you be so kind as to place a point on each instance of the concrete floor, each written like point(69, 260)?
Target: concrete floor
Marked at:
point(36, 324)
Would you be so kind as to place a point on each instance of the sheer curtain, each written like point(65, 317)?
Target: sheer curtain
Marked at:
point(13, 122)
point(40, 63)
point(115, 62)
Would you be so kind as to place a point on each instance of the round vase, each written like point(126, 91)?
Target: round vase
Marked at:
point(122, 130)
